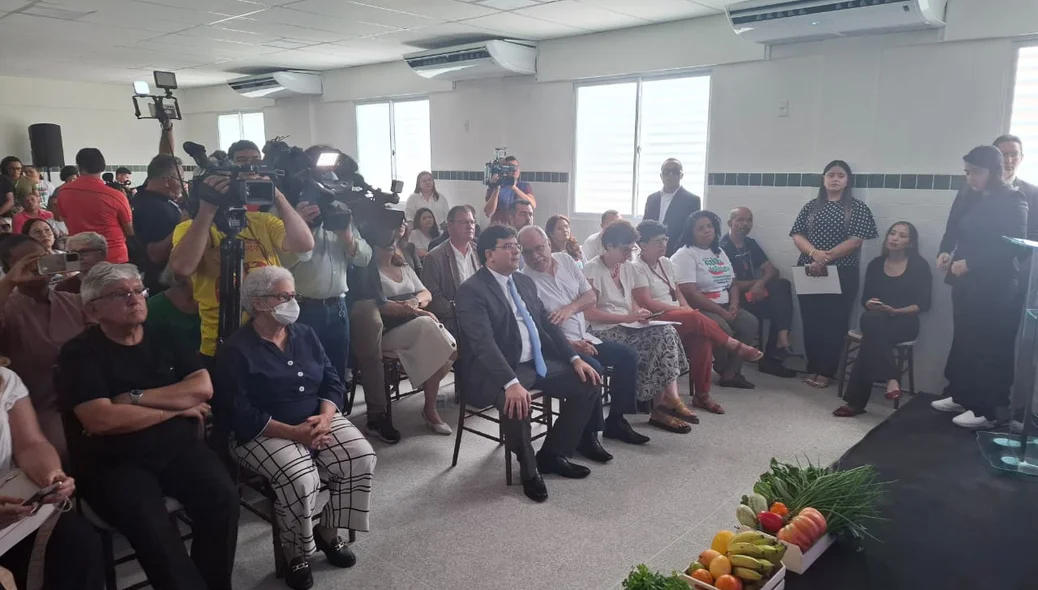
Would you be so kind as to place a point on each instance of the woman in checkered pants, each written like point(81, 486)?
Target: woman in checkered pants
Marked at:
point(288, 425)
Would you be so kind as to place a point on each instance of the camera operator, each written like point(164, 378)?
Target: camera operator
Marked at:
point(196, 243)
point(156, 215)
point(321, 283)
point(500, 198)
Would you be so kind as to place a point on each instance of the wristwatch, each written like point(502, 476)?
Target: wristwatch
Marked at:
point(135, 396)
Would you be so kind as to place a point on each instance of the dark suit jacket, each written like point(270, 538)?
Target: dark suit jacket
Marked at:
point(1030, 193)
point(490, 344)
point(683, 205)
point(441, 277)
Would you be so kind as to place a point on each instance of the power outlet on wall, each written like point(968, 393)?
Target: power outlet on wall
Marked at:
point(783, 110)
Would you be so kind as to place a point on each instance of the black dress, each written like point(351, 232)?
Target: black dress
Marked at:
point(881, 331)
point(825, 317)
point(985, 301)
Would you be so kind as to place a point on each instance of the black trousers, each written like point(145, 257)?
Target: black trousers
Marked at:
point(130, 498)
point(623, 385)
point(825, 319)
point(880, 332)
point(331, 321)
point(980, 365)
point(72, 560)
point(777, 307)
point(579, 415)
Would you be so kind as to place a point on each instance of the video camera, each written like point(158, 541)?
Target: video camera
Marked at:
point(329, 178)
point(245, 189)
point(498, 167)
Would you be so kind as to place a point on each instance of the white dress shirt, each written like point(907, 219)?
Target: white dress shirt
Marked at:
point(524, 333)
point(560, 290)
point(466, 265)
point(592, 246)
point(665, 201)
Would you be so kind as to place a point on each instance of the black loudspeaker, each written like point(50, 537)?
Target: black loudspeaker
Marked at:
point(45, 141)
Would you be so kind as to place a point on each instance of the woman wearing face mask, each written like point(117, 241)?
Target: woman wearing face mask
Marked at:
point(984, 274)
point(897, 289)
point(425, 348)
point(829, 231)
point(288, 422)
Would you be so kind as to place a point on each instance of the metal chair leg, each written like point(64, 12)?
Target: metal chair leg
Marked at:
point(109, 557)
point(508, 467)
point(457, 435)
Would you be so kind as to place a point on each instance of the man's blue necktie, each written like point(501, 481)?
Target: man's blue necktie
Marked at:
point(535, 339)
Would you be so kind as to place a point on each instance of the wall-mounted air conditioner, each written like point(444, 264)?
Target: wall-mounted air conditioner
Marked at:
point(278, 84)
point(487, 59)
point(786, 21)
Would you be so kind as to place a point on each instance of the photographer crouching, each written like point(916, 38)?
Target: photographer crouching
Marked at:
point(196, 242)
point(504, 189)
point(321, 283)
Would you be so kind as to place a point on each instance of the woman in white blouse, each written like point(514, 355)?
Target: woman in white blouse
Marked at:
point(656, 289)
point(425, 348)
point(706, 279)
point(616, 317)
point(426, 229)
point(426, 195)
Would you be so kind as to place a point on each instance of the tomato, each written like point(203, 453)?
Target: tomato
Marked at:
point(727, 582)
point(703, 576)
point(815, 516)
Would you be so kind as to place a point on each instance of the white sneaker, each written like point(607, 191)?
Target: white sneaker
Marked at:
point(972, 421)
point(947, 405)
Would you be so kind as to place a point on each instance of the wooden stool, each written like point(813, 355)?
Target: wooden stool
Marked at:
point(904, 357)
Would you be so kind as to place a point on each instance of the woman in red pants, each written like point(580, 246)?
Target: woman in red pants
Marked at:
point(656, 290)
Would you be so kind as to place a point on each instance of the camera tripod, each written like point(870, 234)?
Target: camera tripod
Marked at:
point(232, 271)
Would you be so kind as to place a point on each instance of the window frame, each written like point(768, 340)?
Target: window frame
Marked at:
point(241, 125)
point(636, 161)
point(392, 102)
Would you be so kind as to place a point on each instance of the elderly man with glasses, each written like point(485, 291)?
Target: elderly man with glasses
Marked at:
point(672, 205)
point(92, 249)
point(134, 405)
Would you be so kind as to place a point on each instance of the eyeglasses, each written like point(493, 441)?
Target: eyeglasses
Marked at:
point(509, 247)
point(124, 296)
point(660, 241)
point(88, 251)
point(282, 297)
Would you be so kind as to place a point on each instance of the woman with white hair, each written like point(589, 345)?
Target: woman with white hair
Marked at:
point(133, 406)
point(287, 423)
point(92, 248)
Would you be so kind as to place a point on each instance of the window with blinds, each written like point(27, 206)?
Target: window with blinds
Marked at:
point(237, 126)
point(1025, 110)
point(625, 130)
point(393, 141)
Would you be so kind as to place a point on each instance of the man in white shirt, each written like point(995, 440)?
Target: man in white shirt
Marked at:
point(593, 243)
point(565, 293)
point(450, 264)
point(508, 345)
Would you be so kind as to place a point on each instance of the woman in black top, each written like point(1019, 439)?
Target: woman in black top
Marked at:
point(830, 231)
point(984, 273)
point(897, 289)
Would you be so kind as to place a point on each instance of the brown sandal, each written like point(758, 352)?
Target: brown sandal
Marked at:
point(848, 411)
point(707, 404)
point(680, 411)
point(669, 423)
point(820, 382)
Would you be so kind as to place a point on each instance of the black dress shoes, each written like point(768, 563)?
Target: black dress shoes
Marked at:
point(535, 489)
point(559, 465)
point(298, 576)
point(620, 429)
point(591, 448)
point(338, 552)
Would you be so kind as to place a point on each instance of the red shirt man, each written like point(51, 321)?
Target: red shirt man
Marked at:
point(87, 204)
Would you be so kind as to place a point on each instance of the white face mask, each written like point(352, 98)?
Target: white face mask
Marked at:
point(286, 313)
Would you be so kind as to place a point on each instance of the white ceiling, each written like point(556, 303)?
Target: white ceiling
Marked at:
point(210, 41)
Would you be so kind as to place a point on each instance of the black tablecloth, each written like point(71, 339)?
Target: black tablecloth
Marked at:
point(953, 522)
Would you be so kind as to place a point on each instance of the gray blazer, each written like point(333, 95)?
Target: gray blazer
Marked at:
point(441, 277)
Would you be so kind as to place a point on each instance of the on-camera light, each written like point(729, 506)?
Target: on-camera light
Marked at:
point(327, 159)
point(141, 88)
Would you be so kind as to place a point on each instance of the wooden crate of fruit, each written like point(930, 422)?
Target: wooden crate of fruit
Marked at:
point(747, 560)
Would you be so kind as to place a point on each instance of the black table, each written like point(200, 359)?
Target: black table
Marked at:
point(953, 522)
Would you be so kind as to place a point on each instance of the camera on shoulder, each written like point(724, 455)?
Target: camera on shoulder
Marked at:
point(501, 169)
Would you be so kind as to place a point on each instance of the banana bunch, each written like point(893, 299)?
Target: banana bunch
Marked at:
point(754, 556)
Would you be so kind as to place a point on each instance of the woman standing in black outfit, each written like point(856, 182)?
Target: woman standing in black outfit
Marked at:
point(984, 274)
point(830, 231)
point(897, 289)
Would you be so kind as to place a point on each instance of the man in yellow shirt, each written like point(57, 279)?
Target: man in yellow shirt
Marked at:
point(196, 244)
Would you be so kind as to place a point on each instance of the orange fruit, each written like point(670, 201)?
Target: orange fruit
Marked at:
point(703, 576)
point(707, 556)
point(720, 543)
point(727, 582)
point(720, 566)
